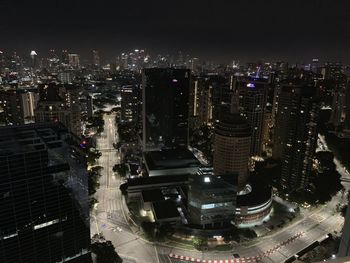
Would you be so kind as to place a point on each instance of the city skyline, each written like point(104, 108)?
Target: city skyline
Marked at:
point(245, 31)
point(184, 131)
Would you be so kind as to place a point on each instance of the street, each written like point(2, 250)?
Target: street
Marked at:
point(111, 218)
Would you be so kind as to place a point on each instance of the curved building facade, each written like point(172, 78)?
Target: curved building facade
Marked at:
point(232, 147)
point(254, 207)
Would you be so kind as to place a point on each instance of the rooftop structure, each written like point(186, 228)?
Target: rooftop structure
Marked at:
point(171, 161)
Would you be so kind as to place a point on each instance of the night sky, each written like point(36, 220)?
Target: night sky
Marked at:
point(222, 30)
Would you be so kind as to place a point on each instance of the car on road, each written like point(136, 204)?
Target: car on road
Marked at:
point(235, 255)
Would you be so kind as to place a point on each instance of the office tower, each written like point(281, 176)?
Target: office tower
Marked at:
point(232, 141)
point(165, 96)
point(332, 71)
point(347, 107)
point(315, 65)
point(266, 134)
point(96, 58)
point(113, 68)
point(221, 95)
point(86, 106)
point(211, 200)
point(65, 57)
point(137, 59)
point(122, 61)
point(44, 214)
point(29, 100)
point(10, 104)
point(295, 134)
point(193, 104)
point(71, 95)
point(2, 62)
point(201, 106)
point(130, 103)
point(18, 105)
point(33, 56)
point(55, 108)
point(73, 60)
point(253, 97)
point(338, 106)
point(65, 77)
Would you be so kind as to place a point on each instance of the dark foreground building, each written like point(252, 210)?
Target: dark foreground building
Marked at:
point(41, 220)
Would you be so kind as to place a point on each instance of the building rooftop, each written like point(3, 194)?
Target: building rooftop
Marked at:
point(260, 193)
point(158, 180)
point(153, 195)
point(165, 209)
point(206, 182)
point(170, 159)
point(20, 139)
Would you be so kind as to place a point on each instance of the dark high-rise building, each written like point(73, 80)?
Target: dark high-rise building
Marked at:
point(221, 94)
point(89, 106)
point(253, 97)
point(295, 135)
point(2, 61)
point(338, 106)
point(96, 58)
point(347, 107)
point(41, 218)
point(165, 107)
point(10, 104)
point(64, 56)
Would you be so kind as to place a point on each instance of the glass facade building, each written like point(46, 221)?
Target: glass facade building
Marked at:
point(211, 200)
point(40, 220)
point(165, 107)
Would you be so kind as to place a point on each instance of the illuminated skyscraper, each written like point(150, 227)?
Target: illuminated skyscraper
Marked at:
point(295, 135)
point(253, 97)
point(232, 145)
point(201, 102)
point(165, 107)
point(18, 105)
point(130, 103)
point(55, 108)
point(338, 106)
point(33, 56)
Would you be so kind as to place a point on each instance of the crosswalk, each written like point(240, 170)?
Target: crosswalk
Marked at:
point(251, 259)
